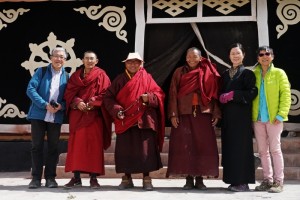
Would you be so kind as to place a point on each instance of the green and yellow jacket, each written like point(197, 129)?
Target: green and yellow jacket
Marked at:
point(277, 92)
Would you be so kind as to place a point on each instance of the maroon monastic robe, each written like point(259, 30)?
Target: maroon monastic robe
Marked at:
point(204, 78)
point(192, 146)
point(128, 99)
point(90, 132)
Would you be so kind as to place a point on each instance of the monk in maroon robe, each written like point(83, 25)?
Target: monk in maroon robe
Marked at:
point(90, 124)
point(135, 102)
point(193, 111)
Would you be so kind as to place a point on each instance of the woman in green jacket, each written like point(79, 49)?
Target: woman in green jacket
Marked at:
point(270, 109)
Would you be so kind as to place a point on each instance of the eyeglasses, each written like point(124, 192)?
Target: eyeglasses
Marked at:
point(89, 58)
point(58, 57)
point(262, 54)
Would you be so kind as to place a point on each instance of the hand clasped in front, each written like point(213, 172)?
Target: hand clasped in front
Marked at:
point(120, 114)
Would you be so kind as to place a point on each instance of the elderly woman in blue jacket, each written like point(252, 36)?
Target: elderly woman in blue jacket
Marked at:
point(270, 109)
point(46, 90)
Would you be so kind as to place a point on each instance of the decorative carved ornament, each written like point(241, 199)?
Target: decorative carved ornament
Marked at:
point(174, 8)
point(114, 18)
point(9, 16)
point(10, 110)
point(295, 104)
point(40, 54)
point(288, 11)
point(225, 7)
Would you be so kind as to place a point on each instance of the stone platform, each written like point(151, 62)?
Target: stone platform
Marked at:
point(290, 147)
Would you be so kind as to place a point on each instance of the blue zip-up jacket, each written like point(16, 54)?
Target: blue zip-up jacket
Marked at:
point(38, 90)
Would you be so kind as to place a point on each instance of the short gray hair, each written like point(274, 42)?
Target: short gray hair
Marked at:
point(59, 49)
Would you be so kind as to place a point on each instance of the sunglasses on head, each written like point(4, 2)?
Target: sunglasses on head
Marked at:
point(262, 54)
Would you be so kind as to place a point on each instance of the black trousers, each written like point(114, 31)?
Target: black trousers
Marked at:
point(39, 129)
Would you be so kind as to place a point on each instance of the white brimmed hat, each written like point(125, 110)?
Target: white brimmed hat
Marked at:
point(132, 56)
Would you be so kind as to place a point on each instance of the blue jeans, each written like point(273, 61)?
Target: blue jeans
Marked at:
point(39, 129)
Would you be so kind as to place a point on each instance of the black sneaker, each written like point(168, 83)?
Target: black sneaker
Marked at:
point(94, 183)
point(74, 182)
point(257, 162)
point(240, 188)
point(34, 183)
point(199, 183)
point(51, 183)
point(189, 185)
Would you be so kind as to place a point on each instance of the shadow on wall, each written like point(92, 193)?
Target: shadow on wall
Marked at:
point(15, 155)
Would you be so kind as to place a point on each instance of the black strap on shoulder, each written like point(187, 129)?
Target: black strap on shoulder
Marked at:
point(44, 69)
point(67, 75)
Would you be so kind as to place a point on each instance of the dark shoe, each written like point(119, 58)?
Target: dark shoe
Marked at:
point(199, 183)
point(264, 186)
point(230, 186)
point(126, 183)
point(240, 188)
point(51, 183)
point(189, 183)
point(257, 162)
point(94, 183)
point(147, 183)
point(34, 183)
point(74, 182)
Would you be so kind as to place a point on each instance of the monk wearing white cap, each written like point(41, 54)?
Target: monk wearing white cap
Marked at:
point(135, 102)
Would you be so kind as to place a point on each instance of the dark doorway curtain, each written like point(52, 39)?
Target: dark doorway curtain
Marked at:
point(165, 44)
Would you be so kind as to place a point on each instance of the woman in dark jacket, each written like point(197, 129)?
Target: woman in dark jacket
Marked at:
point(237, 94)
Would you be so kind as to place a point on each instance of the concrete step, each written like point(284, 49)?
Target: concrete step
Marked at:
point(291, 173)
point(290, 148)
point(290, 160)
point(288, 145)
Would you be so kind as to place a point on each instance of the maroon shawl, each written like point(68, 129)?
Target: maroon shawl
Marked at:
point(205, 78)
point(92, 87)
point(129, 98)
